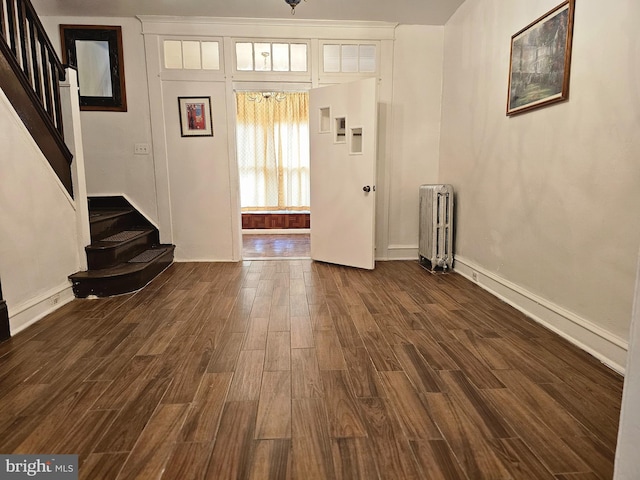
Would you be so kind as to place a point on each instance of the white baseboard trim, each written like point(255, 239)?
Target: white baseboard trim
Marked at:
point(181, 259)
point(275, 231)
point(401, 252)
point(602, 344)
point(28, 313)
point(276, 259)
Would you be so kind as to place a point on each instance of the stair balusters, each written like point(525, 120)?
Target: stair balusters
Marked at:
point(31, 65)
point(25, 36)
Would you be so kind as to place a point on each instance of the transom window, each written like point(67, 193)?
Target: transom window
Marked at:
point(271, 57)
point(349, 58)
point(191, 55)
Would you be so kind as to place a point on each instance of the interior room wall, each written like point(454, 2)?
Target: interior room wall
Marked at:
point(199, 175)
point(109, 137)
point(547, 201)
point(416, 112)
point(627, 466)
point(38, 247)
point(112, 168)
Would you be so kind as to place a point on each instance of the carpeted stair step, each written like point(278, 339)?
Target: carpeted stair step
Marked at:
point(103, 223)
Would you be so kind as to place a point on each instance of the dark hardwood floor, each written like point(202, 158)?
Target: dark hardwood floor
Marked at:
point(296, 369)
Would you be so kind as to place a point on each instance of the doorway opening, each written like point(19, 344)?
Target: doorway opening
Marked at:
point(272, 143)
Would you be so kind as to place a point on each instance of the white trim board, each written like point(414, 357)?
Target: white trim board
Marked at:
point(603, 345)
point(400, 252)
point(267, 27)
point(25, 315)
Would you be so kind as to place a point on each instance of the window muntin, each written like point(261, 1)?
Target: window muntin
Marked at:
point(191, 55)
point(271, 57)
point(349, 58)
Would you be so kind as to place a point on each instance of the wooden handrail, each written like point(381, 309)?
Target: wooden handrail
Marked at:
point(28, 51)
point(25, 36)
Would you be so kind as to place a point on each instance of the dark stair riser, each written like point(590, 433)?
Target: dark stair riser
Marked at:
point(119, 259)
point(84, 286)
point(116, 202)
point(101, 227)
point(104, 255)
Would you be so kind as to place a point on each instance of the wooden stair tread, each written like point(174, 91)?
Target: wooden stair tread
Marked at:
point(100, 215)
point(125, 253)
point(105, 244)
point(122, 269)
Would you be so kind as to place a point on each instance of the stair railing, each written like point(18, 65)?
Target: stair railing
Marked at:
point(35, 63)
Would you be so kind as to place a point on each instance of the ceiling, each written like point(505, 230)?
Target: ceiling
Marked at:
point(417, 12)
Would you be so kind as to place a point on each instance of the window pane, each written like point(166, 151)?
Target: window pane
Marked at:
point(262, 57)
point(244, 56)
point(210, 56)
point(172, 54)
point(349, 58)
point(280, 57)
point(298, 57)
point(331, 58)
point(191, 55)
point(367, 58)
point(95, 65)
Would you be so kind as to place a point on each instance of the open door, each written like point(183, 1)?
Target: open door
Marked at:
point(343, 138)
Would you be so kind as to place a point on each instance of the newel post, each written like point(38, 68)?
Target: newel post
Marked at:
point(70, 103)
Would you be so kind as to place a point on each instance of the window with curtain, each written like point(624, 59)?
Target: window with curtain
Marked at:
point(273, 150)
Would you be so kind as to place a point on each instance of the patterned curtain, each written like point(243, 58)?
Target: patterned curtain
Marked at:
point(273, 150)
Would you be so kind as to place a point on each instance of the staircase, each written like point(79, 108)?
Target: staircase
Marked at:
point(125, 252)
point(30, 76)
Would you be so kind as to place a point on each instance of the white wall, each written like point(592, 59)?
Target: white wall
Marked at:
point(547, 201)
point(411, 148)
point(627, 464)
point(199, 170)
point(38, 247)
point(109, 137)
point(416, 111)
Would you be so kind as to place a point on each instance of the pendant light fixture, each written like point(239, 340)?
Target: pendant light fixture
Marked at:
point(293, 4)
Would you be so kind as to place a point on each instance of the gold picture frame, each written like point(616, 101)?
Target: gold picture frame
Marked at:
point(540, 61)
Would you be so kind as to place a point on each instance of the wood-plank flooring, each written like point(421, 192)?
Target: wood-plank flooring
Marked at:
point(275, 246)
point(293, 369)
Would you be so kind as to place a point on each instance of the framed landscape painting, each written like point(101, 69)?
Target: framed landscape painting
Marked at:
point(540, 61)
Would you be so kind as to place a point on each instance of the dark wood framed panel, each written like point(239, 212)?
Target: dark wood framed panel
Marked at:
point(275, 220)
point(96, 51)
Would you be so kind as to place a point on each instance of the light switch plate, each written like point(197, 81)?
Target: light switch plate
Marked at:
point(141, 149)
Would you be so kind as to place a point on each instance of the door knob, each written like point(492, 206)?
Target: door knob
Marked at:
point(366, 189)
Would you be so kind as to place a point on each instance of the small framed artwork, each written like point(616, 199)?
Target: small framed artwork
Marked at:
point(195, 117)
point(540, 61)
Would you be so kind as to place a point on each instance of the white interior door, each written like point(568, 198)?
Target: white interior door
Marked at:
point(343, 138)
